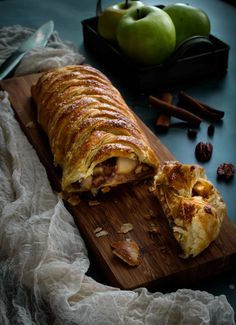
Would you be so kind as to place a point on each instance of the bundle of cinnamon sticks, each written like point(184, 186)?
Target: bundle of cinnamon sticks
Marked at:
point(188, 109)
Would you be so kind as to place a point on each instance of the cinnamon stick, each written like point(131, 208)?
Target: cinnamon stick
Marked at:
point(163, 120)
point(173, 110)
point(198, 108)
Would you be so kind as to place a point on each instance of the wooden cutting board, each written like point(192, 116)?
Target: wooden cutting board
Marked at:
point(161, 266)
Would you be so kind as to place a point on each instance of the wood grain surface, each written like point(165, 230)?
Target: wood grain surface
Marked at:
point(160, 264)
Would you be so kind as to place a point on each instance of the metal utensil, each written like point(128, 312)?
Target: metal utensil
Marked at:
point(38, 39)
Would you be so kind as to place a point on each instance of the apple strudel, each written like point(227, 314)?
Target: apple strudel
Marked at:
point(93, 134)
point(193, 206)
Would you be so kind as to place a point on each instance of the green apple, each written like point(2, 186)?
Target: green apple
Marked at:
point(110, 17)
point(189, 21)
point(146, 35)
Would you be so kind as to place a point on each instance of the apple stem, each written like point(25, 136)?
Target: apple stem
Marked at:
point(138, 13)
point(126, 4)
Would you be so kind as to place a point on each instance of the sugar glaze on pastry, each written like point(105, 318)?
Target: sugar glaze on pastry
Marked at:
point(193, 206)
point(93, 134)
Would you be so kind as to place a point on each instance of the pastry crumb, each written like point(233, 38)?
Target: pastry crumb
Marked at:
point(126, 227)
point(30, 125)
point(149, 215)
point(98, 229)
point(94, 203)
point(106, 189)
point(152, 228)
point(73, 199)
point(101, 233)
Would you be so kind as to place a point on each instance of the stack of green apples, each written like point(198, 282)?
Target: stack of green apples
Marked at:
point(147, 34)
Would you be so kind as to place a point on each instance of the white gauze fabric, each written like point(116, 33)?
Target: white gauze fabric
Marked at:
point(43, 258)
point(56, 54)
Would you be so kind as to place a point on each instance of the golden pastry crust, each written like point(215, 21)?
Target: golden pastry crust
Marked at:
point(128, 251)
point(193, 206)
point(94, 136)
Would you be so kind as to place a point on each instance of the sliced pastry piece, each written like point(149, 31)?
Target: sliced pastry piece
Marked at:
point(128, 251)
point(193, 206)
point(93, 134)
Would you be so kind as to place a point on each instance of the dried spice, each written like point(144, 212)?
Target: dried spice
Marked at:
point(203, 151)
point(192, 133)
point(200, 109)
point(163, 120)
point(173, 110)
point(225, 171)
point(211, 130)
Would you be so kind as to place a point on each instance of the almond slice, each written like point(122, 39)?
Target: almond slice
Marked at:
point(101, 233)
point(98, 229)
point(126, 227)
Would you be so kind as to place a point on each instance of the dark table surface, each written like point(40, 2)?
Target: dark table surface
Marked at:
point(218, 92)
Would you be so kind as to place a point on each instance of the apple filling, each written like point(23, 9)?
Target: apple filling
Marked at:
point(112, 172)
point(202, 188)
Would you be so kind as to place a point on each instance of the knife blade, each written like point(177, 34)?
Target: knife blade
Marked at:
point(38, 39)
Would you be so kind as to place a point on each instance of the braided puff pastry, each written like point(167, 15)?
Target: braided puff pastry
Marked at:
point(192, 205)
point(93, 134)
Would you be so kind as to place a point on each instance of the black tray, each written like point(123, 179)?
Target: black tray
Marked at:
point(197, 58)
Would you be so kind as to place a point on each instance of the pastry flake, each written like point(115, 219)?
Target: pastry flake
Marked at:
point(125, 227)
point(193, 206)
point(128, 251)
point(93, 134)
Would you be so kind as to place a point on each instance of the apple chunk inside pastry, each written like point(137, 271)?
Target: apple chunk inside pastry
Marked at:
point(94, 136)
point(193, 206)
point(113, 172)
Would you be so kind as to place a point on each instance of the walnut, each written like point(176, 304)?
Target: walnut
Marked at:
point(225, 172)
point(203, 151)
